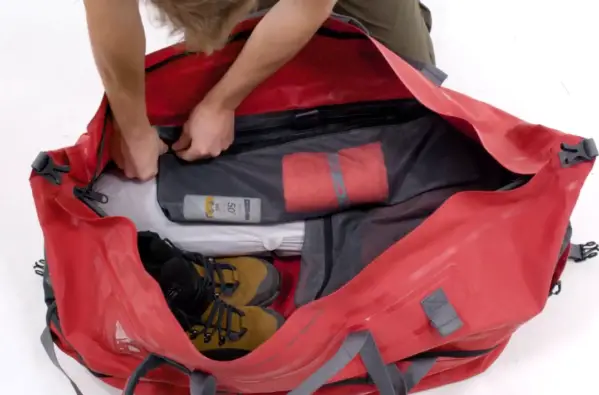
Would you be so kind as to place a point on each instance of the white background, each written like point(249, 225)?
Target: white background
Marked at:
point(537, 59)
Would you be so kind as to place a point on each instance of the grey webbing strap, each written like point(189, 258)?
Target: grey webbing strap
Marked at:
point(202, 384)
point(151, 362)
point(417, 370)
point(199, 383)
point(48, 343)
point(388, 379)
point(441, 313)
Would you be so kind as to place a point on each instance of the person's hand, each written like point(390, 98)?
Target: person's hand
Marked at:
point(208, 132)
point(136, 152)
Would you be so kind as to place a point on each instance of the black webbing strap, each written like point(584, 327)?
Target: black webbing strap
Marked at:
point(48, 344)
point(388, 379)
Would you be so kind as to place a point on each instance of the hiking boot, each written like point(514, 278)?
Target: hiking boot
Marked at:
point(217, 329)
point(241, 281)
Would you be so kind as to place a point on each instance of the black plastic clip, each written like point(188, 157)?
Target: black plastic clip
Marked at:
point(584, 151)
point(39, 267)
point(582, 252)
point(44, 166)
point(556, 289)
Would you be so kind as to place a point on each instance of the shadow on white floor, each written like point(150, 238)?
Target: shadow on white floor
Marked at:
point(536, 59)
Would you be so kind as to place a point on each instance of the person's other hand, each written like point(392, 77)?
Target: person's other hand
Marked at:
point(136, 152)
point(208, 132)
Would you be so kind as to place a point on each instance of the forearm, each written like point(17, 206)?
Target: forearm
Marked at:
point(118, 44)
point(277, 38)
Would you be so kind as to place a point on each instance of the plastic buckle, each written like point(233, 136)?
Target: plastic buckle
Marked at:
point(582, 252)
point(584, 151)
point(44, 166)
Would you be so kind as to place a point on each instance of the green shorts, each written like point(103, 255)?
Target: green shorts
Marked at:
point(403, 26)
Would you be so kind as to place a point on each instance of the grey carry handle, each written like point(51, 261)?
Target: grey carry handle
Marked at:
point(199, 383)
point(388, 379)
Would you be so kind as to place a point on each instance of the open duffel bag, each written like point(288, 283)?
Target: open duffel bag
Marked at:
point(436, 225)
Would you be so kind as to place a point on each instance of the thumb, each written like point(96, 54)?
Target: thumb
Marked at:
point(163, 148)
point(188, 155)
point(184, 140)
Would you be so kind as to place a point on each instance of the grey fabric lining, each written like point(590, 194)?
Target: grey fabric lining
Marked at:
point(312, 270)
point(257, 172)
point(420, 155)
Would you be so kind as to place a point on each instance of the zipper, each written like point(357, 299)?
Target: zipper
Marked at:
point(255, 132)
point(261, 131)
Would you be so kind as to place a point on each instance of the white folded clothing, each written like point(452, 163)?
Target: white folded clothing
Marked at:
point(138, 202)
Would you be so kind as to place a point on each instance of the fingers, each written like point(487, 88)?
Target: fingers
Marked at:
point(195, 152)
point(184, 140)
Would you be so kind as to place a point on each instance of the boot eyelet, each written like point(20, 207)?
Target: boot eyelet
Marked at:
point(193, 334)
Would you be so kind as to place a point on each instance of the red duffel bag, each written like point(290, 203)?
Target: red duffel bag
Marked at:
point(437, 306)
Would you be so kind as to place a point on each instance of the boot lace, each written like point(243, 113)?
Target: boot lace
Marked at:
point(218, 321)
point(220, 317)
point(214, 270)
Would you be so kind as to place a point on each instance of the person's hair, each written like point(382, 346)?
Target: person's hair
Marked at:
point(204, 24)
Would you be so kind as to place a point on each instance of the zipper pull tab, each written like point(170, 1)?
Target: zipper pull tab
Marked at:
point(90, 194)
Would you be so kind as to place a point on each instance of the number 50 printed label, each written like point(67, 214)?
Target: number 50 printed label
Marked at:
point(221, 208)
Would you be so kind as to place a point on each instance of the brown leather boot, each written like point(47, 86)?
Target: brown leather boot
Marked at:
point(241, 281)
point(217, 329)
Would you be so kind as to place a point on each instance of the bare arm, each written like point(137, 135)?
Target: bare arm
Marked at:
point(118, 44)
point(279, 36)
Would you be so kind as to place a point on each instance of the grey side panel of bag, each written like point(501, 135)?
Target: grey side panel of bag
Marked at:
point(312, 274)
point(247, 183)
